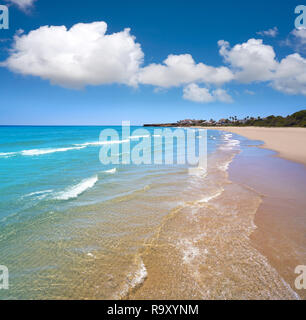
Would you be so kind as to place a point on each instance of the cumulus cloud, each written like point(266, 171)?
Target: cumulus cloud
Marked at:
point(251, 61)
point(290, 75)
point(195, 93)
point(86, 55)
point(269, 33)
point(298, 39)
point(83, 55)
point(181, 69)
point(255, 61)
point(22, 4)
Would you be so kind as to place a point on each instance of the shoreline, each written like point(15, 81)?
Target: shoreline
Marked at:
point(280, 179)
point(201, 242)
point(289, 143)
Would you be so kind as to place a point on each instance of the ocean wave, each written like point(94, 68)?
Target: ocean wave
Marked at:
point(101, 143)
point(229, 142)
point(37, 193)
point(75, 191)
point(114, 170)
point(227, 136)
point(37, 152)
point(7, 154)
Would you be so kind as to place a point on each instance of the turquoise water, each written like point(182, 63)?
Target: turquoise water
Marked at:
point(60, 205)
point(38, 164)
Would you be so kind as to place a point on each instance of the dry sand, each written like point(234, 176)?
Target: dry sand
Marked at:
point(290, 143)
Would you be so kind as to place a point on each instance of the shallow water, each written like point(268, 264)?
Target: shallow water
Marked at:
point(72, 228)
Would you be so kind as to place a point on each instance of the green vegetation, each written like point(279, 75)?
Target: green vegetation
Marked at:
point(297, 119)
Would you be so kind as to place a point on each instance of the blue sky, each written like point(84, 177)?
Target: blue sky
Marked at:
point(114, 79)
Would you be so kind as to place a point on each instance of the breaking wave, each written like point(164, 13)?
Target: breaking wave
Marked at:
point(76, 190)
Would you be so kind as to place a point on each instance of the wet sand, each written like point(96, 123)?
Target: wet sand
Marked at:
point(281, 218)
point(288, 142)
point(240, 242)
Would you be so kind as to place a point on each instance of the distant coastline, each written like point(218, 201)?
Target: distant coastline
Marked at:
point(297, 119)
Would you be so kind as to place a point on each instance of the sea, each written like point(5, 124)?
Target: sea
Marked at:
point(72, 227)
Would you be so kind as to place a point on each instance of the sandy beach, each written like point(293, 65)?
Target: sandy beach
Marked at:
point(279, 220)
point(288, 142)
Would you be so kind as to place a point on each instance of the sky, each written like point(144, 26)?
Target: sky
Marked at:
point(102, 62)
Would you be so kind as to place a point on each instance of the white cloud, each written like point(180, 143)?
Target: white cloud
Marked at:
point(300, 34)
point(250, 92)
point(181, 69)
point(255, 61)
point(83, 55)
point(22, 4)
point(298, 40)
point(269, 33)
point(251, 61)
point(195, 93)
point(222, 95)
point(290, 75)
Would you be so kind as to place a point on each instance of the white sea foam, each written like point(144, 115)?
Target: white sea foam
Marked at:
point(89, 254)
point(7, 154)
point(227, 136)
point(37, 152)
point(210, 197)
point(114, 170)
point(190, 250)
point(37, 193)
point(139, 276)
point(134, 279)
point(197, 171)
point(230, 143)
point(224, 167)
point(101, 143)
point(75, 191)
